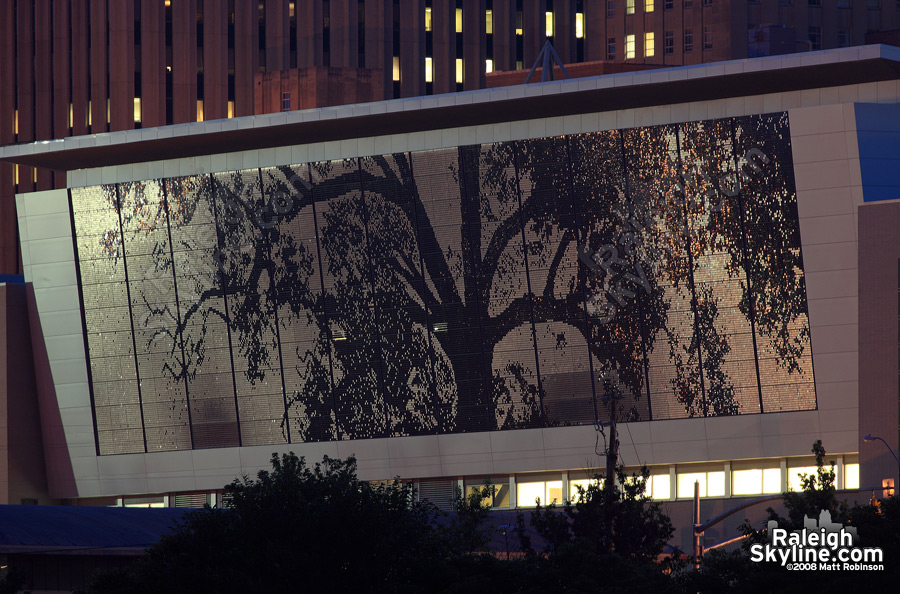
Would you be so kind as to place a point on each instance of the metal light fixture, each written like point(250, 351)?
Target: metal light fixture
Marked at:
point(890, 449)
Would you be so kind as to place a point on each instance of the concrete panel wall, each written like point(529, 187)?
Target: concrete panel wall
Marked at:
point(829, 189)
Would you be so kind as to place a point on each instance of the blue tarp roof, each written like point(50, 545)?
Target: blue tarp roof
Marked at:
point(94, 530)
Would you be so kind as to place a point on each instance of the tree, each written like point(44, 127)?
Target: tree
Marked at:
point(877, 524)
point(296, 528)
point(617, 518)
point(470, 513)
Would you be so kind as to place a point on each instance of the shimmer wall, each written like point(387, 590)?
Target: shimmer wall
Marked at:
point(524, 284)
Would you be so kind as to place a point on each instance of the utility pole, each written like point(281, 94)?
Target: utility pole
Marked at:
point(612, 457)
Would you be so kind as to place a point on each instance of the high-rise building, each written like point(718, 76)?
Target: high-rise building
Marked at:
point(75, 67)
point(462, 288)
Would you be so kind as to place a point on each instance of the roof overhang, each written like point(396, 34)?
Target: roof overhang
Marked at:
point(723, 80)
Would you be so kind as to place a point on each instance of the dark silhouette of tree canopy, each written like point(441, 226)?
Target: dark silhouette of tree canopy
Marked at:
point(295, 528)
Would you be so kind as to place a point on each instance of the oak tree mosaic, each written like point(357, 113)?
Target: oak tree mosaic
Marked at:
point(478, 288)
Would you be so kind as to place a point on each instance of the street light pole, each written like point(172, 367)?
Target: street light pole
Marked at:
point(886, 444)
point(887, 484)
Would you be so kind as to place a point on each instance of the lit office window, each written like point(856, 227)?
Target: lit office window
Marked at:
point(629, 6)
point(459, 70)
point(546, 491)
point(137, 111)
point(90, 117)
point(548, 18)
point(579, 25)
point(499, 496)
point(715, 484)
point(488, 65)
point(396, 74)
point(429, 70)
point(795, 479)
point(231, 109)
point(629, 47)
point(459, 20)
point(519, 25)
point(648, 5)
point(292, 9)
point(16, 121)
point(107, 110)
point(584, 484)
point(428, 18)
point(661, 486)
point(72, 115)
point(648, 484)
point(199, 110)
point(489, 22)
point(649, 45)
point(686, 484)
point(16, 175)
point(712, 484)
point(851, 476)
point(756, 481)
point(771, 480)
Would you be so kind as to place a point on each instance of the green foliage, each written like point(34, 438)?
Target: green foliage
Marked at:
point(877, 524)
point(466, 531)
point(298, 528)
point(606, 531)
point(616, 518)
point(13, 580)
point(295, 528)
point(818, 493)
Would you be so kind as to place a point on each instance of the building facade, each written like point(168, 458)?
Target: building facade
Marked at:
point(75, 67)
point(470, 302)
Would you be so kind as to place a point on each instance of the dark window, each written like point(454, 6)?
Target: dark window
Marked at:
point(611, 48)
point(669, 42)
point(843, 38)
point(707, 38)
point(610, 8)
point(688, 40)
point(669, 4)
point(815, 38)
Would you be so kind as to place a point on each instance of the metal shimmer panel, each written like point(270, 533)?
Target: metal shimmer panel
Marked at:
point(777, 296)
point(535, 283)
point(245, 224)
point(101, 254)
point(202, 311)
